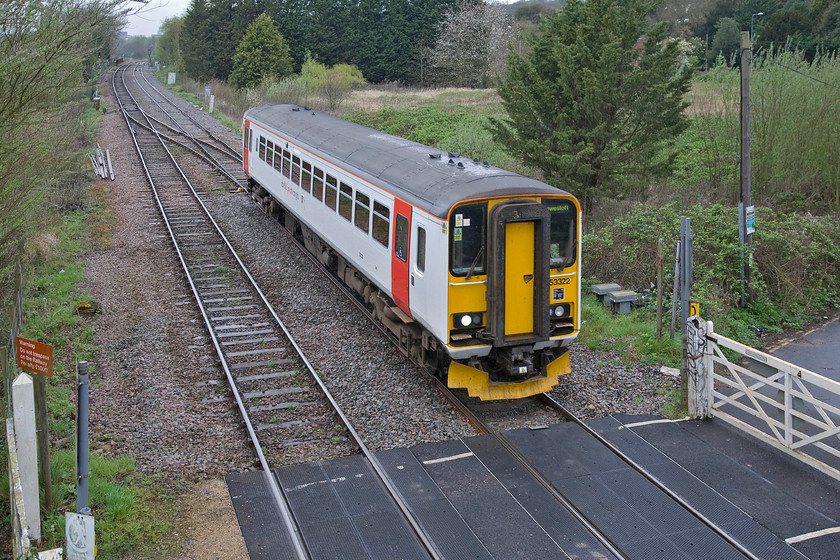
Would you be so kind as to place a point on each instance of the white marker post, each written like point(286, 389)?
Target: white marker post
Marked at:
point(23, 397)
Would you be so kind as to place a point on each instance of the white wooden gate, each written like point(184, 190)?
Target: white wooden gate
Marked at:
point(781, 404)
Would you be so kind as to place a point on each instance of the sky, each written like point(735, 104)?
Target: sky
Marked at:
point(145, 19)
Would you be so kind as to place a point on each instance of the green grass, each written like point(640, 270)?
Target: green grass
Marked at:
point(632, 336)
point(125, 505)
point(235, 126)
point(129, 508)
point(673, 402)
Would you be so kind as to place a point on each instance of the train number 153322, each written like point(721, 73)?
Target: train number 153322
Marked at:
point(561, 281)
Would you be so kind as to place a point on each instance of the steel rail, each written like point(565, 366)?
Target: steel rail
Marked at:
point(431, 548)
point(281, 502)
point(570, 416)
point(183, 131)
point(188, 147)
point(230, 150)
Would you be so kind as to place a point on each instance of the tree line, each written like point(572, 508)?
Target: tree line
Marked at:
point(383, 38)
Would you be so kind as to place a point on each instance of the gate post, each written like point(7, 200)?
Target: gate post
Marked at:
point(699, 365)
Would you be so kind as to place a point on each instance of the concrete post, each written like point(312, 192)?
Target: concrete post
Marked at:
point(699, 367)
point(23, 396)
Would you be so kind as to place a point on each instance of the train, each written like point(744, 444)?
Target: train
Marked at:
point(475, 270)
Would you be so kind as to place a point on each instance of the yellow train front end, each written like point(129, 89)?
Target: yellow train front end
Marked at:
point(513, 294)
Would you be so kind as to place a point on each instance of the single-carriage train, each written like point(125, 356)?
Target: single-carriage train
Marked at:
point(474, 269)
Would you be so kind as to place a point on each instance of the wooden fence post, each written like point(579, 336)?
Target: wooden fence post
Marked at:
point(42, 427)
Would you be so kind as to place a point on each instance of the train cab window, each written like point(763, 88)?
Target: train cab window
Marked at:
point(362, 215)
point(345, 202)
point(306, 176)
point(401, 238)
point(563, 236)
point(296, 170)
point(421, 250)
point(331, 192)
point(318, 184)
point(467, 226)
point(262, 148)
point(381, 222)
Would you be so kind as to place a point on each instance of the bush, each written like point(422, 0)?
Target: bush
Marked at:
point(795, 272)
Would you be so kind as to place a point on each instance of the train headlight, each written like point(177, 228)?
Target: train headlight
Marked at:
point(465, 320)
point(560, 311)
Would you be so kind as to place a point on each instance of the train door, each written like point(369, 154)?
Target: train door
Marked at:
point(400, 254)
point(517, 280)
point(246, 145)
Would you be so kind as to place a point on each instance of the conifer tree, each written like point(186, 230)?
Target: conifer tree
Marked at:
point(262, 52)
point(195, 35)
point(596, 100)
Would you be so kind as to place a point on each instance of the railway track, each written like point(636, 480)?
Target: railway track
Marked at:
point(245, 331)
point(180, 128)
point(277, 392)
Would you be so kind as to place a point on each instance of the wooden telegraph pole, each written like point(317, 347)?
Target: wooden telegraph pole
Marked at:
point(746, 203)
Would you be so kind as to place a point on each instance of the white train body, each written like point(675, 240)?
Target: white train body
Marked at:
point(462, 261)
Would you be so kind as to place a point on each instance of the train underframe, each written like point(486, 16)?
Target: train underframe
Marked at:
point(487, 378)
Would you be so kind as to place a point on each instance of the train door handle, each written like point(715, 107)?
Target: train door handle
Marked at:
point(528, 278)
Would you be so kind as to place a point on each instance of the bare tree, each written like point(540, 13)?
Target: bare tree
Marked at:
point(471, 49)
point(49, 55)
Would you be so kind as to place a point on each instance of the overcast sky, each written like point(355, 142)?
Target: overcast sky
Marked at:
point(145, 19)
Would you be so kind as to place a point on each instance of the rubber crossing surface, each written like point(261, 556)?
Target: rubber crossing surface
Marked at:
point(475, 501)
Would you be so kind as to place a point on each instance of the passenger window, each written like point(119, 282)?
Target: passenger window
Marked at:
point(362, 216)
point(296, 170)
point(401, 238)
point(421, 249)
point(269, 152)
point(331, 194)
point(278, 161)
point(318, 184)
point(306, 182)
point(345, 202)
point(262, 148)
point(381, 222)
point(287, 164)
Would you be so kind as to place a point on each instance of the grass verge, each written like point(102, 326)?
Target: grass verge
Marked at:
point(129, 508)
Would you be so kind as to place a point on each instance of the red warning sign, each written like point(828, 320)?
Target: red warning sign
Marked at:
point(35, 357)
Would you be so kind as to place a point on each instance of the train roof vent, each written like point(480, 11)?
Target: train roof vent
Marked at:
point(460, 165)
point(295, 108)
point(454, 154)
point(451, 162)
point(435, 156)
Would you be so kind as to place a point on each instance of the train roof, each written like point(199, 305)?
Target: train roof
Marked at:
point(404, 168)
